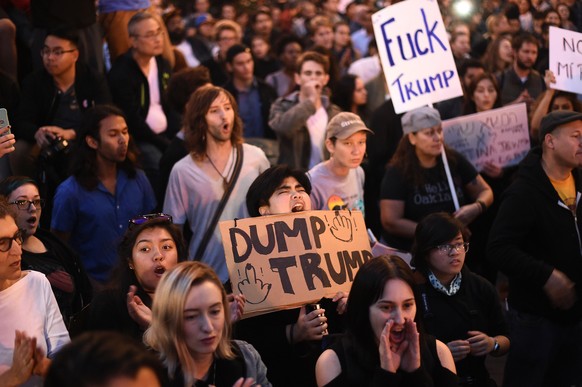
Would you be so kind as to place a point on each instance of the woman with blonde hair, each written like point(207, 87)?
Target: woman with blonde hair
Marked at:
point(190, 330)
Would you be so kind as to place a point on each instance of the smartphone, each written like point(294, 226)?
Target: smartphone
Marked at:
point(4, 120)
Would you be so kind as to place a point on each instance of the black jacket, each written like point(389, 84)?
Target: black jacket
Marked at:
point(131, 93)
point(535, 232)
point(70, 262)
point(40, 98)
point(267, 95)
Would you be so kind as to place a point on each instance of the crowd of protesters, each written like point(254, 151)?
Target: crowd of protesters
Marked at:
point(137, 125)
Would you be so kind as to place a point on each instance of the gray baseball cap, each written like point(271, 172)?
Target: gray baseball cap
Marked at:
point(419, 119)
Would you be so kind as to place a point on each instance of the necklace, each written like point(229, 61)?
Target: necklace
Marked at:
point(224, 177)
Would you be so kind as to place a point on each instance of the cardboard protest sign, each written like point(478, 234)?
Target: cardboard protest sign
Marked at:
point(499, 136)
point(566, 59)
point(283, 261)
point(415, 53)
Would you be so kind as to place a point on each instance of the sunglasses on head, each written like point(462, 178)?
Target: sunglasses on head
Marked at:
point(141, 219)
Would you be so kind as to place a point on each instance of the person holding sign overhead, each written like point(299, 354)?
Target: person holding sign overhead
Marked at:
point(288, 340)
point(416, 182)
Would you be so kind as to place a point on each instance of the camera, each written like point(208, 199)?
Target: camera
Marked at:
point(57, 146)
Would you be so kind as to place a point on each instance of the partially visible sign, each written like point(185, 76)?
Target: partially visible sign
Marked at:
point(498, 136)
point(416, 56)
point(283, 261)
point(566, 59)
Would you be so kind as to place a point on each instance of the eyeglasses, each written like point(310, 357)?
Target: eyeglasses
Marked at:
point(6, 243)
point(151, 35)
point(24, 204)
point(57, 52)
point(448, 248)
point(141, 219)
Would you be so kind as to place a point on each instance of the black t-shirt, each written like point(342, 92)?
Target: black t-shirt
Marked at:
point(432, 196)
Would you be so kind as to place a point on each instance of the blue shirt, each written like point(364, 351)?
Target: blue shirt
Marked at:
point(249, 107)
point(96, 220)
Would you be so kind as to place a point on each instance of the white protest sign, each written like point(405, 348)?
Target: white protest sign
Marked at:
point(415, 53)
point(499, 136)
point(283, 261)
point(566, 59)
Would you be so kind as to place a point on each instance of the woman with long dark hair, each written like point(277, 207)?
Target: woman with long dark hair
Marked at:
point(151, 246)
point(350, 95)
point(383, 346)
point(416, 183)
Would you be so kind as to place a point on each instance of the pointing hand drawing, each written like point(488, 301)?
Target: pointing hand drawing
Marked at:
point(253, 288)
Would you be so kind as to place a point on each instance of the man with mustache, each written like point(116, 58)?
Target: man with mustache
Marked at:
point(92, 207)
point(521, 83)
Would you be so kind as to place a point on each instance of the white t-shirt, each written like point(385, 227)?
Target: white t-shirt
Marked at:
point(186, 49)
point(156, 118)
point(192, 195)
point(30, 306)
point(316, 125)
point(329, 190)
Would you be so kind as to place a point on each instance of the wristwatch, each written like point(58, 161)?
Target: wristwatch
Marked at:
point(496, 346)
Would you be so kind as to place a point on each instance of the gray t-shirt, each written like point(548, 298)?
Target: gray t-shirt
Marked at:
point(193, 195)
point(331, 192)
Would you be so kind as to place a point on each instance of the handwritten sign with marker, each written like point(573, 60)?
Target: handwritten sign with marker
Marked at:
point(416, 56)
point(283, 261)
point(566, 59)
point(498, 136)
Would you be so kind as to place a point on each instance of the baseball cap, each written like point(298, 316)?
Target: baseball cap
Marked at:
point(556, 118)
point(344, 124)
point(419, 119)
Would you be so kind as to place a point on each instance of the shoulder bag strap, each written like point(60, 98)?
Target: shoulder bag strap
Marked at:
point(210, 230)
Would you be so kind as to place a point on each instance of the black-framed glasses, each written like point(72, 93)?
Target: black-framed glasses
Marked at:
point(24, 204)
point(57, 52)
point(141, 219)
point(6, 243)
point(448, 248)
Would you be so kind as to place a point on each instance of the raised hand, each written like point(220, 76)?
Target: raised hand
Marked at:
point(410, 353)
point(138, 311)
point(389, 356)
point(22, 360)
point(7, 141)
point(237, 306)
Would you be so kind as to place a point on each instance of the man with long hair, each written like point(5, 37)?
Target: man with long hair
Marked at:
point(92, 207)
point(197, 183)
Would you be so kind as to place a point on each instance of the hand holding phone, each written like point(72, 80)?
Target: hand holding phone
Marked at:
point(4, 122)
point(7, 140)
